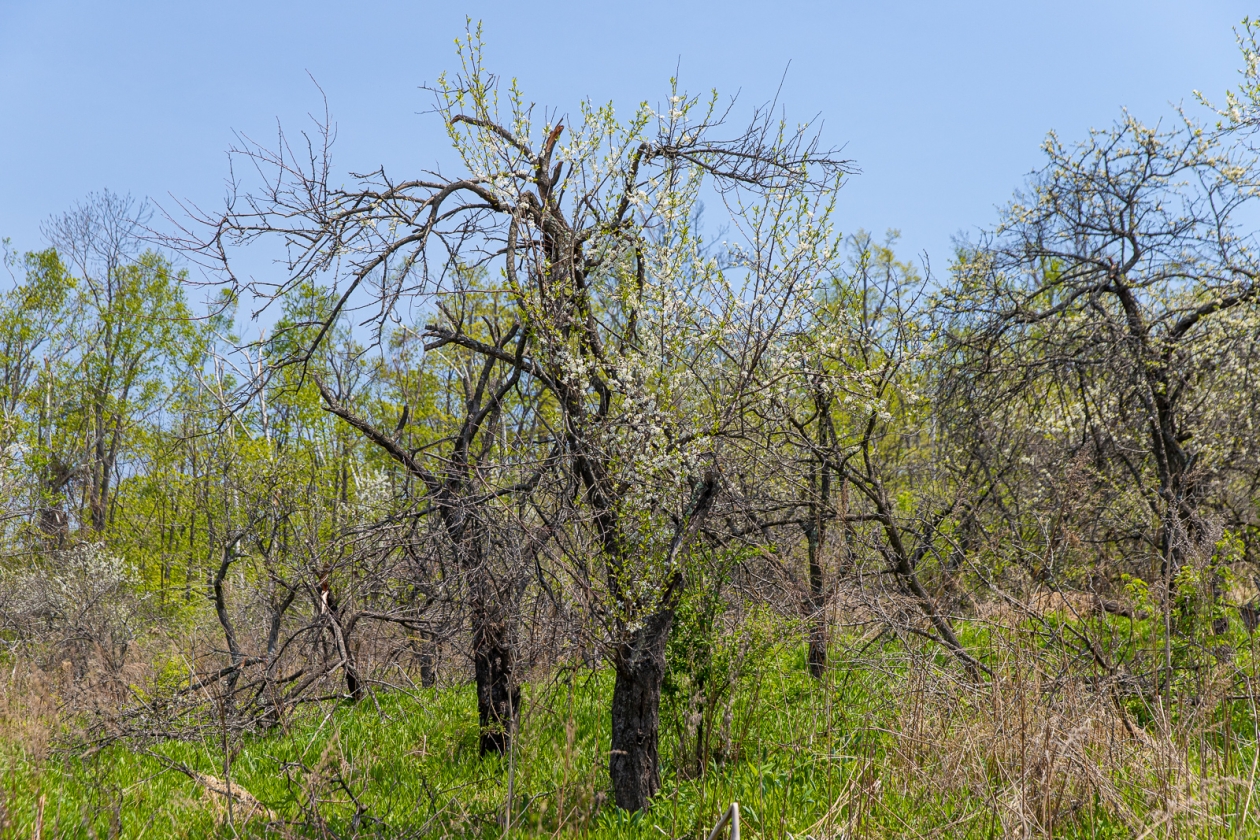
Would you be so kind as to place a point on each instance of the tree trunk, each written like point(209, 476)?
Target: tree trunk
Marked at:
point(271, 691)
point(422, 653)
point(341, 628)
point(634, 764)
point(816, 534)
point(818, 612)
point(494, 662)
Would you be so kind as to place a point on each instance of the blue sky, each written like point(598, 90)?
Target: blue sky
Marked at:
point(942, 104)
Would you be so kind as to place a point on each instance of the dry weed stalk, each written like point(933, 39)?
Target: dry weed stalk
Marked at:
point(1044, 749)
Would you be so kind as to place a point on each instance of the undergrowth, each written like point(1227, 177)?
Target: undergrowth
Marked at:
point(894, 743)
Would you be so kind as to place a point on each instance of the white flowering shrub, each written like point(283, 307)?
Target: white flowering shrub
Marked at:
point(81, 601)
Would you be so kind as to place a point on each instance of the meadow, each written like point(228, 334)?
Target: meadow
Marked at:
point(892, 743)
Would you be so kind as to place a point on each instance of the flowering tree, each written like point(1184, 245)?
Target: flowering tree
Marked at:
point(1114, 311)
point(642, 337)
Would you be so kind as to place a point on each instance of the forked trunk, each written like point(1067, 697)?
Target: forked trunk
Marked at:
point(634, 764)
point(498, 697)
point(346, 649)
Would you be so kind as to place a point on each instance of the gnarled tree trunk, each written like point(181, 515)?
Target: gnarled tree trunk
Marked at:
point(494, 663)
point(634, 763)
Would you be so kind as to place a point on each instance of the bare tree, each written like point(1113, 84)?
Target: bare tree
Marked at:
point(461, 488)
point(858, 413)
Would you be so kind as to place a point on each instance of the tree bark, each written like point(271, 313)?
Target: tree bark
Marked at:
point(494, 662)
point(634, 763)
point(342, 627)
point(817, 606)
point(494, 658)
point(816, 535)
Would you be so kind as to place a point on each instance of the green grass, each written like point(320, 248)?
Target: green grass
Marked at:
point(406, 764)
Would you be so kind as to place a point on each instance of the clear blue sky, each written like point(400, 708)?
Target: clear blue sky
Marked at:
point(942, 104)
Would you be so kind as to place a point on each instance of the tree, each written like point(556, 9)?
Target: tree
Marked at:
point(642, 341)
point(858, 410)
point(1113, 309)
point(32, 333)
point(471, 470)
point(125, 333)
